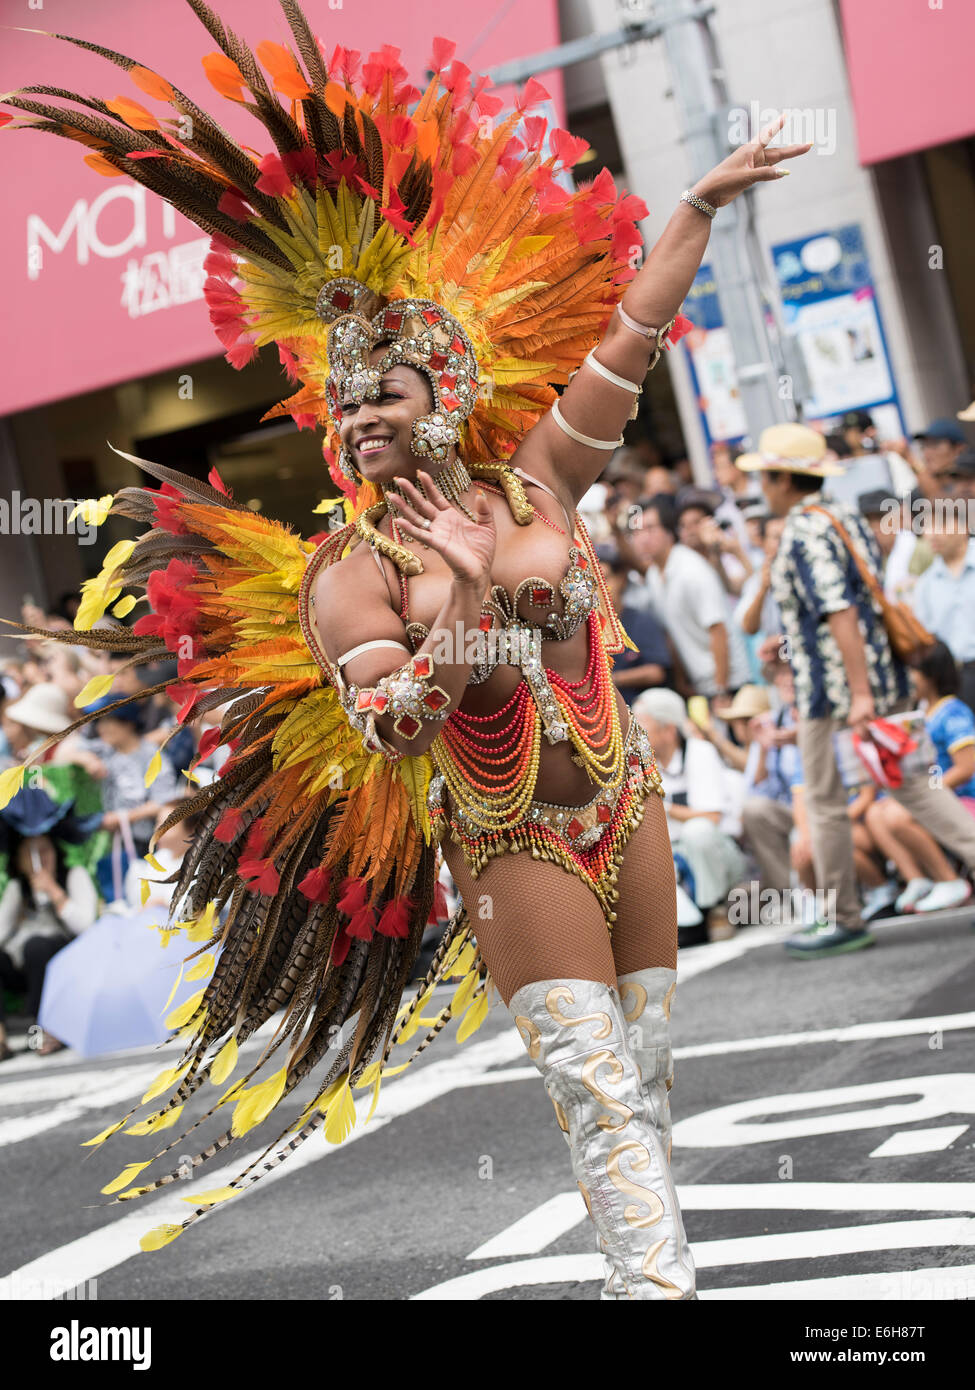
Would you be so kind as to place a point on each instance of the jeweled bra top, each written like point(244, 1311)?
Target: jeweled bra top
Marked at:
point(578, 587)
point(516, 643)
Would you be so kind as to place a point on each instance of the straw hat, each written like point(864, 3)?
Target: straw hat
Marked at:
point(749, 701)
point(791, 449)
point(44, 707)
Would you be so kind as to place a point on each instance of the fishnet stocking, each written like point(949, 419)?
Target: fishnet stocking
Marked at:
point(535, 921)
point(645, 930)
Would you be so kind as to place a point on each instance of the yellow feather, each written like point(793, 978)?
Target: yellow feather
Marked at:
point(94, 690)
point(163, 1081)
point(11, 782)
point(185, 1011)
point(216, 1194)
point(159, 1236)
point(154, 769)
point(257, 1102)
point(473, 1019)
point(340, 1119)
point(224, 1062)
point(105, 1134)
point(163, 1119)
point(128, 1173)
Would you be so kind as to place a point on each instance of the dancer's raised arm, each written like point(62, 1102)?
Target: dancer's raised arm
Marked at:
point(574, 440)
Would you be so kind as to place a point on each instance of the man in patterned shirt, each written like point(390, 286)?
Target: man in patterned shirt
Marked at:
point(845, 672)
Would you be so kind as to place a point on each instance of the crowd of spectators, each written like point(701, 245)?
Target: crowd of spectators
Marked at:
point(764, 664)
point(72, 841)
point(799, 750)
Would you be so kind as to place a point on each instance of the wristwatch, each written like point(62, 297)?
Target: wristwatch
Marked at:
point(688, 197)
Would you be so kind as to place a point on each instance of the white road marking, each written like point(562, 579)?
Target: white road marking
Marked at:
point(829, 1196)
point(956, 1282)
point(918, 1141)
point(856, 1032)
point(913, 1097)
point(536, 1230)
point(112, 1244)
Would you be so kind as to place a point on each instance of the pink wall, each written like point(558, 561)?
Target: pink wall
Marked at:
point(117, 295)
point(910, 66)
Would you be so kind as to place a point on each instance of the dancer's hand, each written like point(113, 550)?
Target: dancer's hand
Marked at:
point(750, 164)
point(467, 546)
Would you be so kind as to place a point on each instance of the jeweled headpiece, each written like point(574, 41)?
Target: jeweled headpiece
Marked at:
point(420, 334)
point(425, 221)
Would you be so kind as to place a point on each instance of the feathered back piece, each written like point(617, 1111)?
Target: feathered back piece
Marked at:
point(312, 876)
point(375, 193)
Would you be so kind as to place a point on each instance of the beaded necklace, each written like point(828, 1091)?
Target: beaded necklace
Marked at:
point(492, 774)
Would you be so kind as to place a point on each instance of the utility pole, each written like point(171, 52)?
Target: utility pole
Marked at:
point(762, 357)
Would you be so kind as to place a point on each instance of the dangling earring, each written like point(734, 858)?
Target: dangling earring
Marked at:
point(347, 468)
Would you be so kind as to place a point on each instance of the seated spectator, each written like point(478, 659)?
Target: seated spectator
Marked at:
point(944, 596)
point(949, 720)
point(931, 883)
point(46, 900)
point(695, 800)
point(651, 663)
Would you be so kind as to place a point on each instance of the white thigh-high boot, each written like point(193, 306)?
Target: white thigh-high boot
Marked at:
point(576, 1035)
point(645, 1000)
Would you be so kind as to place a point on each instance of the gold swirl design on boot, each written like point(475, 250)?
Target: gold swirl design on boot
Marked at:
point(531, 1037)
point(563, 995)
point(641, 1162)
point(631, 987)
point(615, 1107)
point(650, 1271)
point(560, 1116)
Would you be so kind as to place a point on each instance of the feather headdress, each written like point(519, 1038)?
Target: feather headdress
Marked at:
point(375, 192)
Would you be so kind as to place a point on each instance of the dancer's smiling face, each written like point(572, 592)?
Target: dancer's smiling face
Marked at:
point(376, 434)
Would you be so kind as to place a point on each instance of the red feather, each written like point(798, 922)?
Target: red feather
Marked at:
point(362, 923)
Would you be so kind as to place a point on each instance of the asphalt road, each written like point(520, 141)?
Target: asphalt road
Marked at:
point(823, 1149)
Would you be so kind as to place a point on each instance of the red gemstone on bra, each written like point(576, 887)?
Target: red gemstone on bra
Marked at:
point(379, 701)
point(394, 320)
point(421, 665)
point(486, 622)
point(603, 813)
point(364, 699)
point(407, 725)
point(541, 595)
point(436, 699)
point(575, 827)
